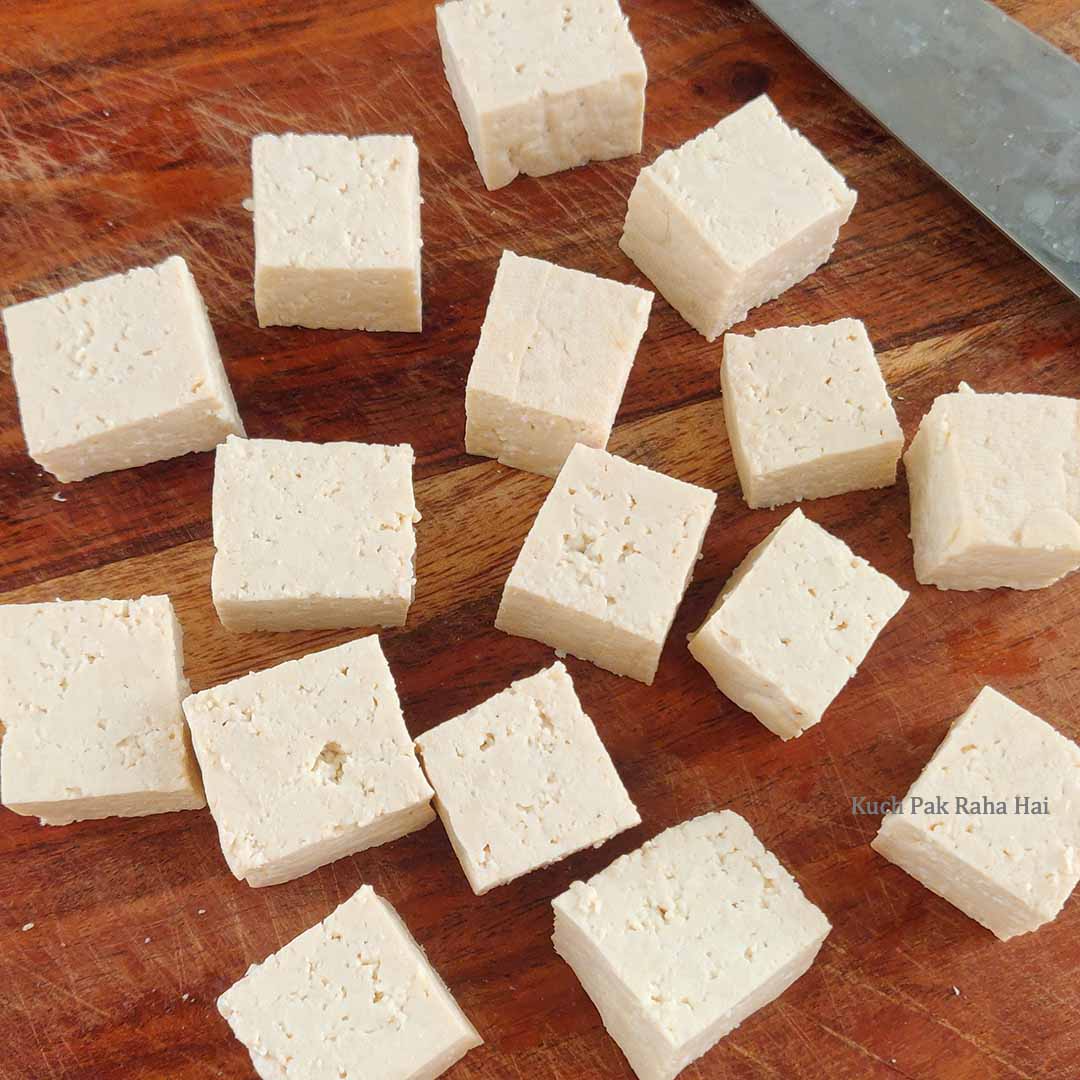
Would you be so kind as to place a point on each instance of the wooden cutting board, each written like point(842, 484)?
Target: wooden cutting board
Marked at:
point(124, 137)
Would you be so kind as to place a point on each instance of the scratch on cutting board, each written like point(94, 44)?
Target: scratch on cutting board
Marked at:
point(858, 1047)
point(14, 64)
point(894, 994)
point(33, 971)
point(756, 1061)
point(228, 119)
point(268, 906)
point(890, 900)
point(28, 1015)
point(439, 115)
point(838, 1002)
point(229, 903)
point(789, 1014)
point(844, 826)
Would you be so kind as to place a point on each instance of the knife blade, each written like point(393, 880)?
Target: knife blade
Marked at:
point(990, 106)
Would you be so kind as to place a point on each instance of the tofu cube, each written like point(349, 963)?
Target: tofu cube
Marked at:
point(313, 535)
point(119, 372)
point(554, 355)
point(792, 625)
point(90, 720)
point(550, 788)
point(353, 996)
point(607, 562)
point(542, 87)
point(337, 231)
point(680, 941)
point(307, 762)
point(1006, 848)
point(808, 413)
point(734, 217)
point(995, 491)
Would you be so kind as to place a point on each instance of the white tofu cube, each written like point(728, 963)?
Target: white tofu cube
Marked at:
point(307, 762)
point(90, 721)
point(354, 996)
point(607, 562)
point(734, 217)
point(995, 491)
point(680, 941)
point(313, 535)
point(792, 625)
point(808, 413)
point(119, 372)
point(554, 355)
point(992, 824)
point(337, 231)
point(549, 787)
point(542, 87)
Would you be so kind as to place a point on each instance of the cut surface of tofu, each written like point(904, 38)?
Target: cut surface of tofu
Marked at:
point(119, 372)
point(337, 231)
point(523, 780)
point(679, 942)
point(995, 491)
point(992, 823)
point(606, 562)
point(555, 352)
point(542, 87)
point(808, 413)
point(307, 762)
point(793, 623)
point(354, 996)
point(91, 725)
point(734, 217)
point(313, 535)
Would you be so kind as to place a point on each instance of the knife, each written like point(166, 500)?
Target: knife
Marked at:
point(991, 107)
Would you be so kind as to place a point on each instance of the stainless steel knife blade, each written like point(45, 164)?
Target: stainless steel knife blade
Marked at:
point(991, 107)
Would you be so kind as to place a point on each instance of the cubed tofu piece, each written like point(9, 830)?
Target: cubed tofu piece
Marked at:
point(549, 787)
point(119, 372)
point(542, 87)
point(307, 762)
point(734, 217)
point(607, 562)
point(995, 491)
point(337, 231)
point(554, 355)
point(354, 996)
point(680, 941)
point(808, 413)
point(992, 824)
point(792, 625)
point(313, 535)
point(90, 717)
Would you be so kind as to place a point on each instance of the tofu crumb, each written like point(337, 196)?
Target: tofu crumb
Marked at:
point(202, 911)
point(146, 941)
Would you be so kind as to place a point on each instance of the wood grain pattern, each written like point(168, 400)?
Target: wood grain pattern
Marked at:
point(124, 136)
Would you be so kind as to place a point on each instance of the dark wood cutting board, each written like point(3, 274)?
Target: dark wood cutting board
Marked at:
point(124, 137)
